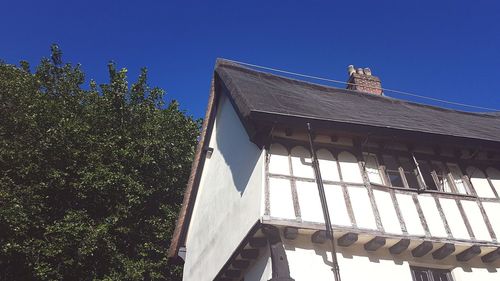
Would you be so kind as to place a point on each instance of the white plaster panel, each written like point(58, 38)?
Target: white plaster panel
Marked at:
point(494, 176)
point(387, 212)
point(410, 214)
point(309, 202)
point(280, 198)
point(480, 183)
point(278, 161)
point(336, 205)
point(432, 217)
point(301, 162)
point(350, 168)
point(493, 212)
point(362, 207)
point(475, 274)
point(476, 220)
point(454, 218)
point(328, 165)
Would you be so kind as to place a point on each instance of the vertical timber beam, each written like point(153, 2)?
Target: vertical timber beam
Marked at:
point(279, 261)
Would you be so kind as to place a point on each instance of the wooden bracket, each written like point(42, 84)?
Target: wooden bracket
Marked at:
point(469, 253)
point(446, 250)
point(374, 244)
point(422, 249)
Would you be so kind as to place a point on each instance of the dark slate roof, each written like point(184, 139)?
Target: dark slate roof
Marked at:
point(254, 92)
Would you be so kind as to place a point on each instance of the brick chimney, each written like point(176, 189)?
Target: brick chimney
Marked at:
point(362, 80)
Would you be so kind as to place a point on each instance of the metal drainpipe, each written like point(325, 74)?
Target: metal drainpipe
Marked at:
point(324, 205)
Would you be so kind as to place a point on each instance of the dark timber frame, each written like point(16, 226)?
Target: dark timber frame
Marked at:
point(445, 246)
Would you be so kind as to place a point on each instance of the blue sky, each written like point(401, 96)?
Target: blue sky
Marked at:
point(443, 49)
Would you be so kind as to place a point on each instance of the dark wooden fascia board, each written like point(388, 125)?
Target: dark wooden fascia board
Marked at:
point(320, 125)
point(180, 232)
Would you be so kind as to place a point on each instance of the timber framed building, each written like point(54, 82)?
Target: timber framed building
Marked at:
point(412, 191)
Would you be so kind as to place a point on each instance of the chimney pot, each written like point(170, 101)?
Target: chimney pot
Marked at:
point(367, 71)
point(350, 69)
point(360, 71)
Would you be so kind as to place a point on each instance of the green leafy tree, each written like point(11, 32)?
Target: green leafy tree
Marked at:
point(91, 180)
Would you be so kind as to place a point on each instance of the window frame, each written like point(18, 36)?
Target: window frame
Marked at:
point(430, 273)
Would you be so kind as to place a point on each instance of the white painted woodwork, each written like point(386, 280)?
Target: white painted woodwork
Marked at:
point(432, 217)
point(309, 198)
point(336, 205)
point(476, 220)
point(362, 207)
point(278, 162)
point(280, 195)
point(494, 176)
point(349, 168)
point(492, 210)
point(410, 214)
point(457, 177)
point(328, 165)
point(456, 223)
point(372, 168)
point(387, 212)
point(301, 162)
point(480, 183)
point(228, 201)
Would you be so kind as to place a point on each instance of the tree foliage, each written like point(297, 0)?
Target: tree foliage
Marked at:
point(91, 180)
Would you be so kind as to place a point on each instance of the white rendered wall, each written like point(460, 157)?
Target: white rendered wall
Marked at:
point(308, 261)
point(228, 201)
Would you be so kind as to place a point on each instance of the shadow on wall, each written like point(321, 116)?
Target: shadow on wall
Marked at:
point(233, 142)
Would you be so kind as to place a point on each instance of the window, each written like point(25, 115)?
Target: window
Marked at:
point(457, 175)
point(409, 171)
point(392, 169)
point(430, 274)
point(427, 171)
point(441, 176)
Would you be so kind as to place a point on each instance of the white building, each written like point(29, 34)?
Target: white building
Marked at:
point(412, 190)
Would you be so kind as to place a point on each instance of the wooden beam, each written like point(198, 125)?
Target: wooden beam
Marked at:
point(240, 264)
point(375, 244)
point(469, 253)
point(347, 239)
point(231, 273)
point(399, 247)
point(279, 262)
point(422, 249)
point(446, 250)
point(492, 256)
point(257, 242)
point(319, 237)
point(249, 254)
point(291, 233)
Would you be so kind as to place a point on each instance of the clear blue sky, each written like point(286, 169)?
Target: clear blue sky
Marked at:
point(443, 49)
